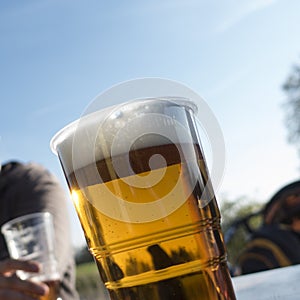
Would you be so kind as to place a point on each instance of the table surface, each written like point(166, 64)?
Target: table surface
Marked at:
point(283, 283)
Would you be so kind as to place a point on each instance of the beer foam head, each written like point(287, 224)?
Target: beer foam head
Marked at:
point(118, 129)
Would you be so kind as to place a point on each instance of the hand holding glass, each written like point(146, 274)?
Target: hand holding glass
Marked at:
point(31, 238)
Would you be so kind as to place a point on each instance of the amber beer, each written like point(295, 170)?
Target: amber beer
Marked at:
point(53, 294)
point(151, 241)
point(53, 290)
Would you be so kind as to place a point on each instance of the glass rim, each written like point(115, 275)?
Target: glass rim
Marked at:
point(5, 226)
point(69, 128)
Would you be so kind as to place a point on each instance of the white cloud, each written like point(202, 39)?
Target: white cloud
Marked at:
point(228, 82)
point(242, 12)
point(46, 110)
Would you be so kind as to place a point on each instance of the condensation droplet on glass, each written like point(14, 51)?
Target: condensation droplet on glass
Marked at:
point(116, 115)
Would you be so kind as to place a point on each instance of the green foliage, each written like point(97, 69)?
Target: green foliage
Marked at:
point(231, 212)
point(88, 283)
point(83, 255)
point(292, 89)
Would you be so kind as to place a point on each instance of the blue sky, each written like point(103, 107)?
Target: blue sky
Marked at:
point(57, 55)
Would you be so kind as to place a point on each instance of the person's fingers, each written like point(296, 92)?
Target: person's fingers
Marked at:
point(9, 265)
point(14, 283)
point(14, 295)
point(13, 288)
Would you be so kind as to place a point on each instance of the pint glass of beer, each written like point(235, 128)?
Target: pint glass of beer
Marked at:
point(140, 186)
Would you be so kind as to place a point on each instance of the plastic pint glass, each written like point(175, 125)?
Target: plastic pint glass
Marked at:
point(140, 186)
point(31, 237)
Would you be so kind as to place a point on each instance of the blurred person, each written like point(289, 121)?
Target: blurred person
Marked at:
point(277, 242)
point(24, 189)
